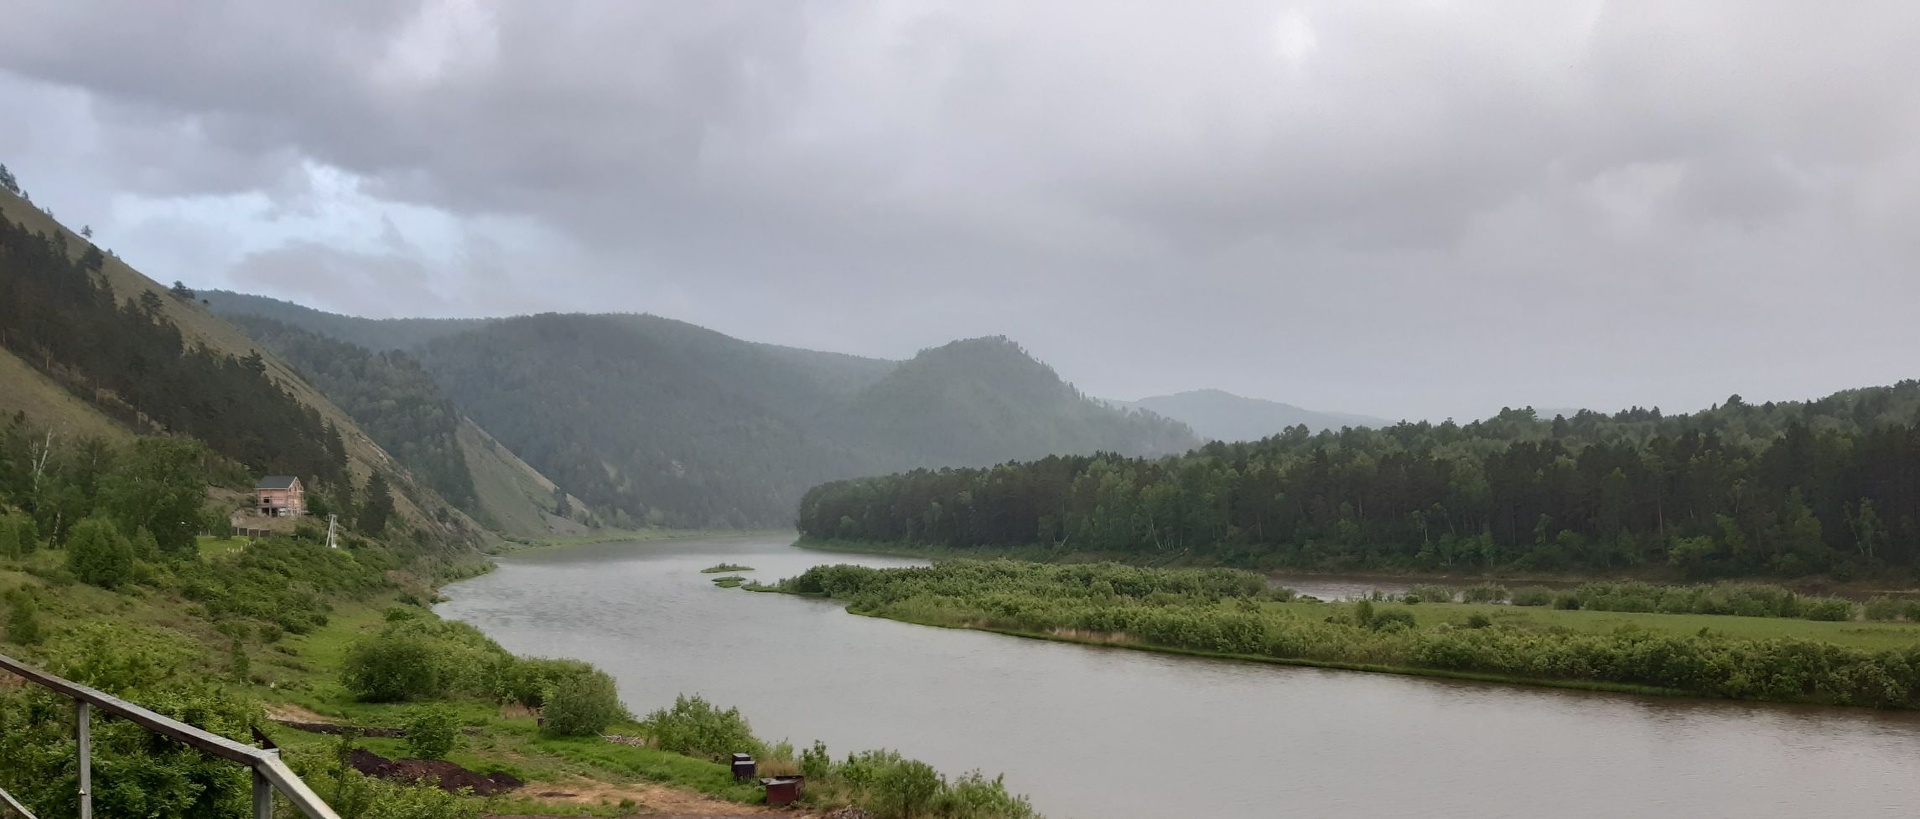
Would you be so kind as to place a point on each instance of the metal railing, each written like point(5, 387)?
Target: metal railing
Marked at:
point(270, 774)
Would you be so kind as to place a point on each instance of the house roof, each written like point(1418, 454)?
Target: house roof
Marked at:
point(276, 482)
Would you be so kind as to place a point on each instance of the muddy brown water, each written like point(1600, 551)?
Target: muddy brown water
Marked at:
point(1111, 733)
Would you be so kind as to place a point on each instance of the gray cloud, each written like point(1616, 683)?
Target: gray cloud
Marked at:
point(1427, 210)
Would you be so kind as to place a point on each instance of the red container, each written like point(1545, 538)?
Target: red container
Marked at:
point(783, 790)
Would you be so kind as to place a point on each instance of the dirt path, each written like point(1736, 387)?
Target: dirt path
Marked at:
point(650, 799)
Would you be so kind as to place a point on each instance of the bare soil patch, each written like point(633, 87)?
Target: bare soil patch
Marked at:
point(438, 773)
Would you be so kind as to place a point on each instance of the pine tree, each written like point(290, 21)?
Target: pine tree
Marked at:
point(376, 506)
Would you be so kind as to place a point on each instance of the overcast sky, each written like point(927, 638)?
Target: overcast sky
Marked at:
point(1422, 209)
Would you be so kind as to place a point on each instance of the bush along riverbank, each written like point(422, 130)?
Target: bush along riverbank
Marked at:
point(1234, 613)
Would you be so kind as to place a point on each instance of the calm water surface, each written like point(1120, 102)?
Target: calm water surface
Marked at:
point(1096, 733)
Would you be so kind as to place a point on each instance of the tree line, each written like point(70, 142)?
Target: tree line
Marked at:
point(114, 504)
point(1777, 489)
point(59, 314)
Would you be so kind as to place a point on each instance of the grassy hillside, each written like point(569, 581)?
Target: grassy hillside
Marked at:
point(198, 327)
point(24, 389)
point(515, 499)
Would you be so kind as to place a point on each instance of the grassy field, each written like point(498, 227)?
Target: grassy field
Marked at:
point(1236, 614)
point(1855, 634)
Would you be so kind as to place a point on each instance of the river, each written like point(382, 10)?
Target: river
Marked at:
point(1103, 733)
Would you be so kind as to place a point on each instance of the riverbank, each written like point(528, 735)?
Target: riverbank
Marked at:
point(1233, 615)
point(1857, 590)
point(626, 536)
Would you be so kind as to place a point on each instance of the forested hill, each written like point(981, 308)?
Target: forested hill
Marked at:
point(373, 334)
point(93, 348)
point(1222, 416)
point(394, 400)
point(658, 421)
point(652, 421)
point(1787, 489)
point(985, 400)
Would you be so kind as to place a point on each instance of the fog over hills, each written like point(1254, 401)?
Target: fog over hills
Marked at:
point(650, 420)
point(1222, 416)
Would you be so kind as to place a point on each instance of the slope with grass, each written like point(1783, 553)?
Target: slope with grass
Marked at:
point(25, 390)
point(515, 499)
point(193, 327)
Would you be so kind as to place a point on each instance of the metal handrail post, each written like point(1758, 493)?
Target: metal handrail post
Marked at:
point(262, 794)
point(266, 765)
point(83, 736)
point(7, 801)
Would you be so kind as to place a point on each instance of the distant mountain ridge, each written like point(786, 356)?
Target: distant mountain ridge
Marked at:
point(377, 335)
point(654, 421)
point(1222, 416)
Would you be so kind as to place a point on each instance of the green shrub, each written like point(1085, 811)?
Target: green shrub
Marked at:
point(121, 659)
point(695, 727)
point(1484, 593)
point(1427, 593)
point(394, 668)
point(98, 554)
point(1363, 613)
point(974, 796)
point(527, 680)
point(1392, 620)
point(238, 663)
point(1566, 602)
point(23, 618)
point(432, 732)
point(907, 788)
point(1532, 596)
point(1830, 609)
point(18, 536)
point(1882, 608)
point(1478, 620)
point(134, 775)
point(815, 763)
point(583, 705)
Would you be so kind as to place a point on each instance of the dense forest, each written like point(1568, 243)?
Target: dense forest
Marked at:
point(59, 314)
point(671, 424)
point(373, 334)
point(387, 394)
point(1784, 489)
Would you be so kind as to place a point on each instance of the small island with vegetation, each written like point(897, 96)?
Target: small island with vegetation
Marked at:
point(1730, 641)
point(725, 568)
